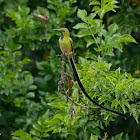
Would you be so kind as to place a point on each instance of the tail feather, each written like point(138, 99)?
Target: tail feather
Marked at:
point(75, 73)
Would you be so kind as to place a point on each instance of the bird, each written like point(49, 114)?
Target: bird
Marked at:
point(66, 46)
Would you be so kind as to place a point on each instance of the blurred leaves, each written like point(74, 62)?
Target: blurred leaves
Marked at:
point(30, 68)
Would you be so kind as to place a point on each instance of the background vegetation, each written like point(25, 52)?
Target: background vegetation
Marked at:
point(107, 57)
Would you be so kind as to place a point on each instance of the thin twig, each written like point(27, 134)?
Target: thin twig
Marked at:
point(78, 103)
point(105, 136)
point(61, 83)
point(42, 11)
point(40, 17)
point(93, 35)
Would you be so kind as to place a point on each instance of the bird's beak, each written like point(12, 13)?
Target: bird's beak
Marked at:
point(57, 29)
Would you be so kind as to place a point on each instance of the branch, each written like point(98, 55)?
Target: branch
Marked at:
point(40, 17)
point(78, 103)
point(105, 136)
point(61, 83)
point(42, 11)
point(44, 17)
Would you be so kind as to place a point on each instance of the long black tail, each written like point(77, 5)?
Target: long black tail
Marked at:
point(84, 91)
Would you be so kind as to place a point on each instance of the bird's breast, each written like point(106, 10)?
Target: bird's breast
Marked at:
point(65, 45)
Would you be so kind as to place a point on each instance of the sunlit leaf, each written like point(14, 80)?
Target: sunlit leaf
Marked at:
point(95, 3)
point(82, 14)
point(96, 8)
point(83, 33)
point(90, 42)
point(112, 29)
point(81, 25)
point(37, 127)
point(127, 38)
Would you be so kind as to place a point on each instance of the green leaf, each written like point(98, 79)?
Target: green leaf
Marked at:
point(115, 103)
point(102, 99)
point(120, 87)
point(36, 133)
point(95, 3)
point(93, 137)
point(82, 14)
point(15, 16)
point(91, 16)
point(117, 71)
point(104, 32)
point(126, 103)
point(109, 7)
point(17, 53)
point(106, 1)
point(83, 33)
point(59, 116)
point(127, 38)
point(90, 42)
point(33, 87)
point(10, 44)
point(21, 135)
point(117, 137)
point(24, 11)
point(92, 22)
point(30, 95)
point(81, 25)
point(41, 65)
point(135, 110)
point(17, 47)
point(110, 51)
point(44, 118)
point(112, 29)
point(44, 135)
point(111, 1)
point(37, 127)
point(50, 6)
point(118, 45)
point(96, 8)
point(122, 105)
point(18, 101)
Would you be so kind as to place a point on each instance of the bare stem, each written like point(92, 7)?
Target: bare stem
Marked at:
point(78, 103)
point(93, 35)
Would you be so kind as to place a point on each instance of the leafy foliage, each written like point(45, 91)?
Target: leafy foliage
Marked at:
point(94, 28)
point(30, 106)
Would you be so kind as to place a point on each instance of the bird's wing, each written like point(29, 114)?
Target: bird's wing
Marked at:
point(72, 47)
point(71, 42)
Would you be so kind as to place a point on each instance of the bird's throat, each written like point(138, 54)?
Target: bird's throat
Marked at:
point(62, 36)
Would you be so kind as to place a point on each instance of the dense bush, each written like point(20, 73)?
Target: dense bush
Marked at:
point(30, 68)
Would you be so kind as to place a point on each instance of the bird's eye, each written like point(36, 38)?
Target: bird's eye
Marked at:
point(63, 30)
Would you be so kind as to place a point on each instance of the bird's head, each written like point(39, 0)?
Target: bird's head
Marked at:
point(64, 32)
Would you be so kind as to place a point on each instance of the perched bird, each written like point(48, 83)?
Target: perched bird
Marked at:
point(66, 46)
point(65, 42)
